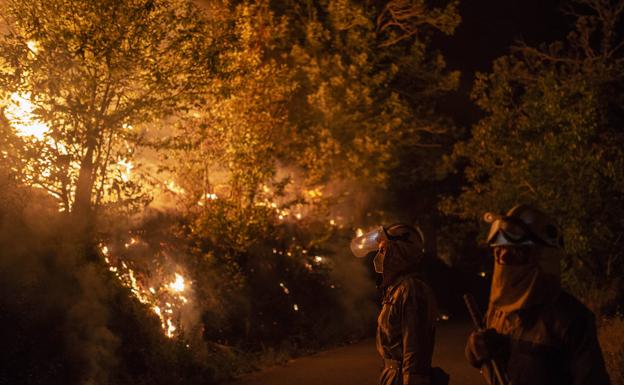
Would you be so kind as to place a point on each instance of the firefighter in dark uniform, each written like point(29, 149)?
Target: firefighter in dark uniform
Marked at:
point(406, 323)
point(537, 333)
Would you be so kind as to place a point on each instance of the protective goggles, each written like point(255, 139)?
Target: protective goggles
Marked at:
point(509, 231)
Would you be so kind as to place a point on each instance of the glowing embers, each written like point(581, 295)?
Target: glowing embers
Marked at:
point(315, 193)
point(161, 289)
point(33, 46)
point(131, 242)
point(285, 210)
point(287, 292)
point(284, 288)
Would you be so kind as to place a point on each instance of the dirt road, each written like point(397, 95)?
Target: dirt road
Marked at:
point(358, 364)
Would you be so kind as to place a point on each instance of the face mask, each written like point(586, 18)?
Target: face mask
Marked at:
point(379, 260)
point(520, 280)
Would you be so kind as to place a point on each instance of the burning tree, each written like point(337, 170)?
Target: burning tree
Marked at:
point(79, 82)
point(79, 77)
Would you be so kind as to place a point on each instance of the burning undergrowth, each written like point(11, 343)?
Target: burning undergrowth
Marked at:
point(149, 264)
point(159, 299)
point(54, 302)
point(67, 319)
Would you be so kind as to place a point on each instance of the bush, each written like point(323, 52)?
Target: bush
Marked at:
point(66, 320)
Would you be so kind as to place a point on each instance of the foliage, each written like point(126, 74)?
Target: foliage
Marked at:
point(67, 320)
point(274, 110)
point(224, 157)
point(93, 71)
point(226, 164)
point(551, 137)
point(310, 99)
point(147, 356)
point(365, 91)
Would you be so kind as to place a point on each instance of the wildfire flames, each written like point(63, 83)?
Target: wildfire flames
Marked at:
point(20, 110)
point(165, 296)
point(165, 293)
point(20, 113)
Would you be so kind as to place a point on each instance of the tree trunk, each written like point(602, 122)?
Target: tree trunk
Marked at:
point(82, 210)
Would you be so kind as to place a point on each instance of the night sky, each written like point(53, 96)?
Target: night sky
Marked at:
point(487, 30)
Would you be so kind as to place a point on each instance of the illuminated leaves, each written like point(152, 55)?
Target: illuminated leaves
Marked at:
point(96, 70)
point(413, 19)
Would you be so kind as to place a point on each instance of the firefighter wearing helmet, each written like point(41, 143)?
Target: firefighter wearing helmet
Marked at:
point(406, 323)
point(536, 332)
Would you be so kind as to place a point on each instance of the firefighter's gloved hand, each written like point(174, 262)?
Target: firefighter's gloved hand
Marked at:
point(483, 345)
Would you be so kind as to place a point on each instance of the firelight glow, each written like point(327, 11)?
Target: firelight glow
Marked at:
point(127, 169)
point(178, 284)
point(162, 295)
point(20, 109)
point(33, 46)
point(20, 114)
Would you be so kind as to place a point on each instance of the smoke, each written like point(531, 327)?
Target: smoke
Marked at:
point(309, 212)
point(88, 333)
point(151, 255)
point(357, 293)
point(54, 299)
point(339, 208)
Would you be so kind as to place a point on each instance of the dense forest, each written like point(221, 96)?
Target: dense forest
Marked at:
point(179, 181)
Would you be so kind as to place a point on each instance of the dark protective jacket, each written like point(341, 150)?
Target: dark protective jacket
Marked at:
point(550, 344)
point(406, 332)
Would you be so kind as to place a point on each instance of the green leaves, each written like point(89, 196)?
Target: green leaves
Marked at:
point(361, 103)
point(548, 138)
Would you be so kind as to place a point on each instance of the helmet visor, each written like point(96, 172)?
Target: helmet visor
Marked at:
point(368, 242)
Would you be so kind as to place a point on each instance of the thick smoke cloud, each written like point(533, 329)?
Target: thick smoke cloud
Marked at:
point(54, 312)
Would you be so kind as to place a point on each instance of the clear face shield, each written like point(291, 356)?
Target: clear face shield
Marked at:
point(370, 242)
